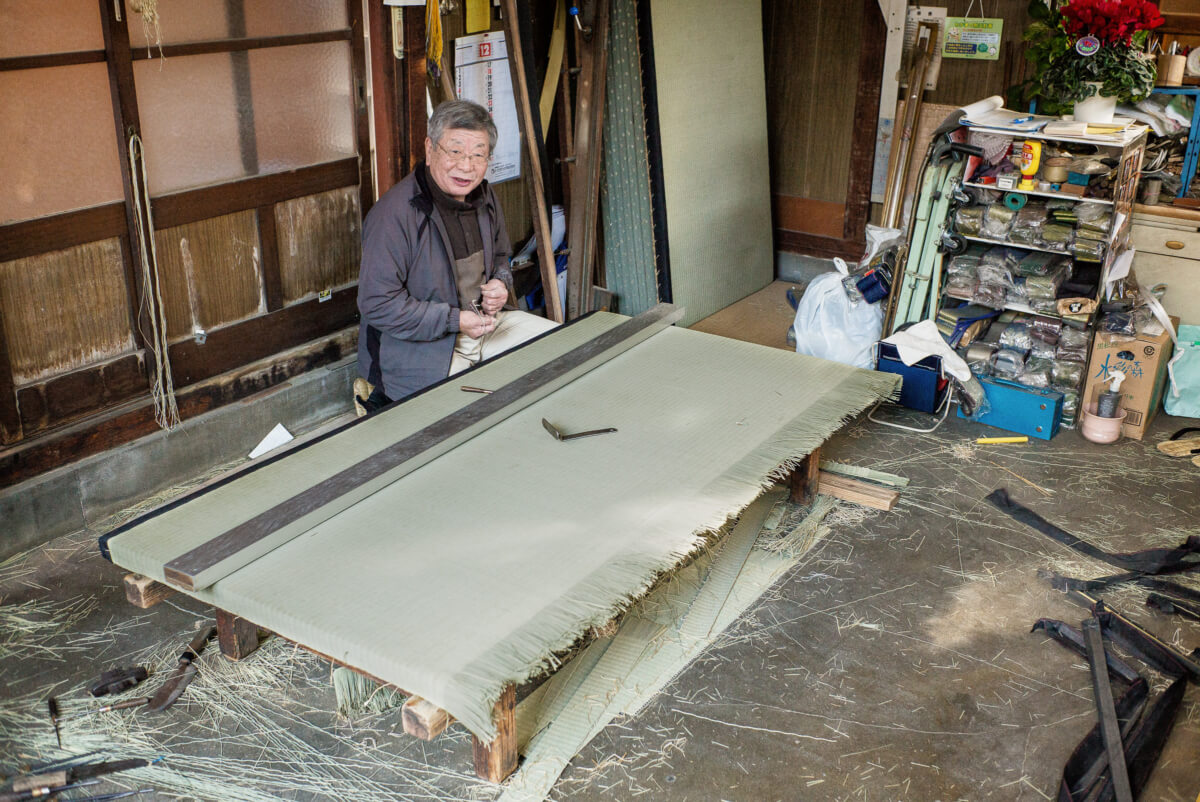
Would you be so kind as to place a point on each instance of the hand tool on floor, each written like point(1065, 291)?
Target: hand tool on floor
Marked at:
point(174, 687)
point(117, 680)
point(559, 435)
point(57, 718)
point(72, 775)
point(40, 791)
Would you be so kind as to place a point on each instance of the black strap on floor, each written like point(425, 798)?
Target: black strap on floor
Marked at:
point(1085, 767)
point(1146, 647)
point(1060, 582)
point(1172, 607)
point(1184, 557)
point(1145, 743)
point(1072, 638)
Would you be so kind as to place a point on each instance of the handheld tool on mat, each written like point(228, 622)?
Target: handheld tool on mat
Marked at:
point(117, 680)
point(559, 435)
point(174, 687)
point(51, 782)
point(56, 716)
point(167, 694)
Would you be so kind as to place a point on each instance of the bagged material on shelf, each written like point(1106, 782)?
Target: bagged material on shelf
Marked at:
point(997, 221)
point(1016, 292)
point(963, 265)
point(1046, 329)
point(1088, 249)
point(1070, 404)
point(990, 294)
point(968, 220)
point(1036, 263)
point(1037, 373)
point(1066, 375)
point(1046, 287)
point(1057, 236)
point(1005, 363)
point(1017, 337)
point(961, 286)
point(1027, 225)
point(1072, 345)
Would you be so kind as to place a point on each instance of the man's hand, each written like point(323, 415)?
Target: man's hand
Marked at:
point(495, 295)
point(474, 325)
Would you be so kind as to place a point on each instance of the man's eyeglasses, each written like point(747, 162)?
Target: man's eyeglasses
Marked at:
point(458, 157)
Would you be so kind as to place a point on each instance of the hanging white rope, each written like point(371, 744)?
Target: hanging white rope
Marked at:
point(166, 411)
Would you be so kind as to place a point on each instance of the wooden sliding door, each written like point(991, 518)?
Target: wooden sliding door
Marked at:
point(192, 175)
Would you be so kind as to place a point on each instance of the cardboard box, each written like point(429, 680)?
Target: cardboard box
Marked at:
point(1143, 360)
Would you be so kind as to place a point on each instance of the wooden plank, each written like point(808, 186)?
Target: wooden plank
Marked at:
point(423, 719)
point(260, 337)
point(530, 132)
point(856, 491)
point(236, 43)
point(362, 120)
point(237, 637)
point(802, 481)
point(496, 760)
point(268, 240)
point(61, 231)
point(415, 79)
point(229, 551)
point(383, 94)
point(51, 60)
point(813, 245)
point(812, 216)
point(585, 171)
point(82, 392)
point(866, 121)
point(143, 592)
point(250, 193)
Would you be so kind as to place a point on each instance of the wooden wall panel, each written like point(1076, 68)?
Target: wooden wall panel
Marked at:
point(320, 242)
point(812, 52)
point(64, 309)
point(963, 81)
point(211, 272)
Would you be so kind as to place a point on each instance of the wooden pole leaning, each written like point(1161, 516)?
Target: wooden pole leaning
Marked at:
point(527, 114)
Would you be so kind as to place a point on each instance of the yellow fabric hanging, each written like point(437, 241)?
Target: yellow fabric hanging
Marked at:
point(433, 36)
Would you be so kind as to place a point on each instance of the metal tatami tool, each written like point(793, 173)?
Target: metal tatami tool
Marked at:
point(560, 436)
point(56, 717)
point(173, 688)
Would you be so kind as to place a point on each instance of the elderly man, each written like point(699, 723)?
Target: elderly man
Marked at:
point(434, 276)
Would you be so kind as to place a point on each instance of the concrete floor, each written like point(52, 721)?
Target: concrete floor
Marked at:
point(895, 662)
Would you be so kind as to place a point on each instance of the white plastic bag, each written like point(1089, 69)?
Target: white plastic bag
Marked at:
point(829, 327)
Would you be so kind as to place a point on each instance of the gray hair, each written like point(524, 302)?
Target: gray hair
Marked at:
point(462, 114)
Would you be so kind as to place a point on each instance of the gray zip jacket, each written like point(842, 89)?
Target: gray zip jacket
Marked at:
point(406, 290)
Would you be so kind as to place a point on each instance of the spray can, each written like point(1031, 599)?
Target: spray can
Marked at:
point(1109, 402)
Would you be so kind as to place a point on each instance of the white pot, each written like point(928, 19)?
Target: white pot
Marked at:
point(1096, 109)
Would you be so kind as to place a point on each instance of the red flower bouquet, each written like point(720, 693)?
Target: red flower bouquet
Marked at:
point(1087, 47)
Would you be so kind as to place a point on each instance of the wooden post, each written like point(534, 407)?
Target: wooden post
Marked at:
point(144, 592)
point(423, 719)
point(237, 637)
point(498, 759)
point(531, 128)
point(585, 172)
point(803, 480)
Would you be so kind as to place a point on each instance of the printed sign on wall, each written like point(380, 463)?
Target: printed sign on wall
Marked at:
point(973, 37)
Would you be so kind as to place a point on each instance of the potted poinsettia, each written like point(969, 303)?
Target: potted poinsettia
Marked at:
point(1091, 53)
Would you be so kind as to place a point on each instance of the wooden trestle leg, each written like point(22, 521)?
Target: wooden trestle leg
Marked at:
point(804, 479)
point(496, 760)
point(237, 637)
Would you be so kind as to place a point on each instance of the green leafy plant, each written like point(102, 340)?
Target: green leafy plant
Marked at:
point(1063, 76)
